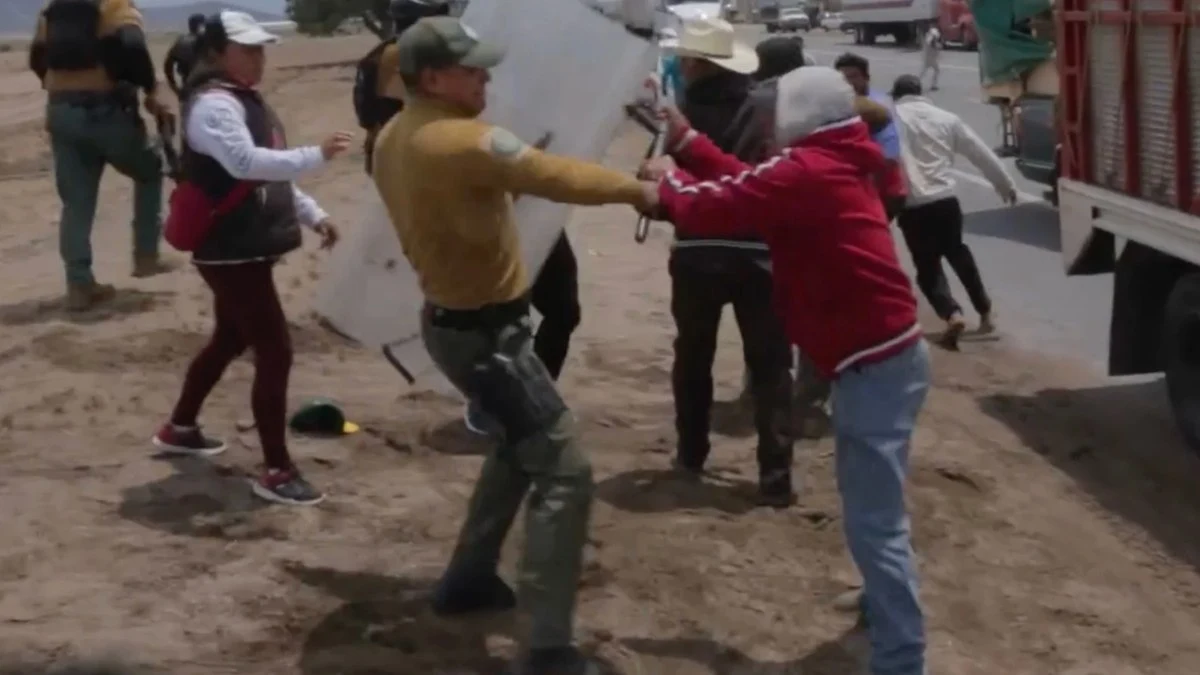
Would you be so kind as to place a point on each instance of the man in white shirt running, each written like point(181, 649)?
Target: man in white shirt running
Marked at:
point(931, 52)
point(932, 220)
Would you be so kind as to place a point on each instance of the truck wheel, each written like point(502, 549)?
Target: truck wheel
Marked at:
point(1181, 355)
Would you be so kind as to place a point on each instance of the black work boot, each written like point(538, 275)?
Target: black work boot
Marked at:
point(686, 469)
point(555, 661)
point(690, 456)
point(460, 594)
point(775, 489)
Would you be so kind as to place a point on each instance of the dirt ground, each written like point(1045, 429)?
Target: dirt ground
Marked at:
point(1055, 516)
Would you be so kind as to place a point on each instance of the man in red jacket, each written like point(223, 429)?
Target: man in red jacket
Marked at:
point(847, 304)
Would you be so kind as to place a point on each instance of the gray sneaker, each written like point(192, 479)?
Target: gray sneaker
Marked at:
point(479, 422)
point(286, 487)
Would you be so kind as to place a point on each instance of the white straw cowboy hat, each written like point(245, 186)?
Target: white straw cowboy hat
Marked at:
point(712, 39)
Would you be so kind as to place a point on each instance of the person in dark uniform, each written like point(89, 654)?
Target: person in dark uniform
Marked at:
point(91, 58)
point(708, 273)
point(378, 89)
point(182, 56)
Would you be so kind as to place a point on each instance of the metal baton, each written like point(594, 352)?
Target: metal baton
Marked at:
point(642, 229)
point(644, 118)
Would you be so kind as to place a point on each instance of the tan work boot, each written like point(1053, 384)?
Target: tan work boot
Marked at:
point(149, 265)
point(82, 297)
point(955, 326)
point(987, 323)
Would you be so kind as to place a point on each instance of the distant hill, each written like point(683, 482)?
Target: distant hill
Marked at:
point(19, 17)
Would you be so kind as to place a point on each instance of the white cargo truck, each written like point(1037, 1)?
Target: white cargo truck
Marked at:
point(907, 23)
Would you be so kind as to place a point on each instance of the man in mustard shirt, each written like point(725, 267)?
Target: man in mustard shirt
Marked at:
point(448, 180)
point(91, 58)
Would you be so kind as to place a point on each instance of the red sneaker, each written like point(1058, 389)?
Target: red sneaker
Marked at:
point(189, 441)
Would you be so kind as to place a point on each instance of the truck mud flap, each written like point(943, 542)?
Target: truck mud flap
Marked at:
point(1097, 256)
point(1143, 280)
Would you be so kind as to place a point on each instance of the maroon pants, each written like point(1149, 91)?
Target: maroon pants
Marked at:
point(248, 315)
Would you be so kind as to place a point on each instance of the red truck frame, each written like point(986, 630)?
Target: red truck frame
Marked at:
point(1078, 21)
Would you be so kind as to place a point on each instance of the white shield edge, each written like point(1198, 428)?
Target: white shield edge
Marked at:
point(368, 290)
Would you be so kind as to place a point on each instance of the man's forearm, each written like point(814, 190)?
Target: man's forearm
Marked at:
point(573, 181)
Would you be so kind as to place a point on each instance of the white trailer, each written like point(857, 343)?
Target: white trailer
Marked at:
point(905, 20)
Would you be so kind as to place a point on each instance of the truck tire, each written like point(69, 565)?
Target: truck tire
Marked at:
point(1181, 355)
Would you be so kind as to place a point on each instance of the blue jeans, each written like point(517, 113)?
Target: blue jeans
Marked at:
point(875, 410)
point(84, 141)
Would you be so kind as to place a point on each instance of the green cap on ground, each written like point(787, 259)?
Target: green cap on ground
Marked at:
point(321, 416)
point(441, 42)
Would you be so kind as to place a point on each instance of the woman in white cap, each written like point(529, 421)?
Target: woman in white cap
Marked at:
point(235, 151)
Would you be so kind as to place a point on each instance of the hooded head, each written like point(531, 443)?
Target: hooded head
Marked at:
point(777, 56)
point(810, 98)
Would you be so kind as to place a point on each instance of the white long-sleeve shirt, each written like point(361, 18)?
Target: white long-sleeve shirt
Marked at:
point(216, 126)
point(932, 47)
point(930, 137)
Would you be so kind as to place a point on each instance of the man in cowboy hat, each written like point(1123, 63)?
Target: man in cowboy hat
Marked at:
point(709, 272)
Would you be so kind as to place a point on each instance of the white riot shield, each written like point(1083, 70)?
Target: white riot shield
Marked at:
point(569, 72)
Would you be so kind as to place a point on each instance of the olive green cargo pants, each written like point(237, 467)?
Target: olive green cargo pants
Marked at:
point(85, 136)
point(500, 370)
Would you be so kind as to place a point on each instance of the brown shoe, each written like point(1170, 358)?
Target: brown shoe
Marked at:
point(82, 297)
point(149, 265)
point(955, 327)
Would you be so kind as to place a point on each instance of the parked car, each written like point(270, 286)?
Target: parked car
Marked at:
point(794, 19)
point(832, 21)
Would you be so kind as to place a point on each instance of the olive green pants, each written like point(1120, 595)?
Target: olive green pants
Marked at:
point(85, 137)
point(538, 451)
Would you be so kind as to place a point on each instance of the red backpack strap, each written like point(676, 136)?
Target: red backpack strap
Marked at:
point(237, 195)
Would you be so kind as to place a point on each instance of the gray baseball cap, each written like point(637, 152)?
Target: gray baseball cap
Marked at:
point(441, 42)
